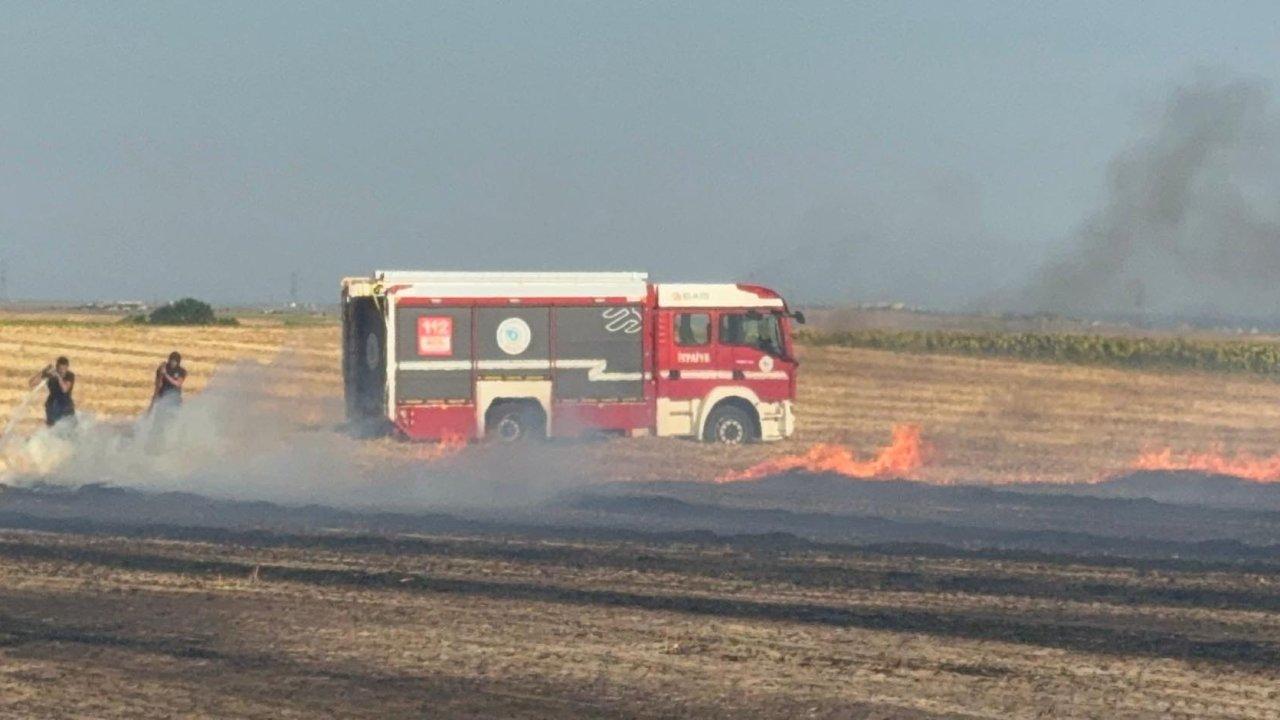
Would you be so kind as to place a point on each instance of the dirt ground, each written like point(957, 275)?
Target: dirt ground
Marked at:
point(297, 627)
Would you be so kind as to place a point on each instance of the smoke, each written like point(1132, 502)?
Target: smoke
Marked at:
point(923, 241)
point(227, 441)
point(1191, 226)
point(18, 414)
point(240, 440)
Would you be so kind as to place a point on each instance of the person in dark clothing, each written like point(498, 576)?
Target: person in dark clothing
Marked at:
point(61, 382)
point(169, 379)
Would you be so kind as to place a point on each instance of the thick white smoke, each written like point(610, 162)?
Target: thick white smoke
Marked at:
point(18, 414)
point(237, 440)
point(231, 440)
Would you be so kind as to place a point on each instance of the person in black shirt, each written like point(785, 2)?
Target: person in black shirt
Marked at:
point(61, 382)
point(169, 379)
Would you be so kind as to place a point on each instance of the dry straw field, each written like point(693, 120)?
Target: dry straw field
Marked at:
point(120, 618)
point(984, 419)
point(115, 362)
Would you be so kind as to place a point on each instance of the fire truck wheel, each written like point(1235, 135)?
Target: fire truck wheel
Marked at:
point(514, 422)
point(730, 425)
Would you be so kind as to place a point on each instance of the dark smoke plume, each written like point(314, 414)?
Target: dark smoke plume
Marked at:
point(1191, 226)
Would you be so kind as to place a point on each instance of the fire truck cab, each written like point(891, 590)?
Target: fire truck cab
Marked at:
point(510, 356)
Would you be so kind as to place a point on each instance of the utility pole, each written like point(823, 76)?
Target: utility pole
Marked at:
point(4, 280)
point(293, 289)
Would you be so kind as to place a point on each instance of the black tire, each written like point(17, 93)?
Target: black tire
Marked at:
point(369, 369)
point(514, 422)
point(731, 425)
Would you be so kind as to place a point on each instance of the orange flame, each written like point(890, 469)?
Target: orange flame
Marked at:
point(448, 446)
point(903, 456)
point(1242, 465)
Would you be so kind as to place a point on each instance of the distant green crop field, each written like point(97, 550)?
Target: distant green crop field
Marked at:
point(56, 322)
point(1243, 356)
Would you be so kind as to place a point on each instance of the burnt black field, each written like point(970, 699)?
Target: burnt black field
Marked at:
point(1171, 516)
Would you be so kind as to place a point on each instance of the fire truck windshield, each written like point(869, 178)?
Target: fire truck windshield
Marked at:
point(753, 329)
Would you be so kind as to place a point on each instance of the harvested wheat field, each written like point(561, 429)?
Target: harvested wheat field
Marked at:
point(1003, 583)
point(115, 362)
point(983, 420)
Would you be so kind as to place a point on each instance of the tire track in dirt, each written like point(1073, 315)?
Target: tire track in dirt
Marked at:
point(1070, 633)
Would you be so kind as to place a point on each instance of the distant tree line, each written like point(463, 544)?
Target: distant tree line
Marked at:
point(1245, 356)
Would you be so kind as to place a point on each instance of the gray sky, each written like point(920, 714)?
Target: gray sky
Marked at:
point(930, 152)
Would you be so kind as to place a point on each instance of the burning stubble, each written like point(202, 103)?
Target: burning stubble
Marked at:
point(900, 459)
point(1213, 462)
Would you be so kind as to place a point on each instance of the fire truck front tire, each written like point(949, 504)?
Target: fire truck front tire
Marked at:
point(731, 425)
point(513, 422)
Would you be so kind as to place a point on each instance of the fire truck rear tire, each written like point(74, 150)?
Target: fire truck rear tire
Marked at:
point(731, 425)
point(513, 422)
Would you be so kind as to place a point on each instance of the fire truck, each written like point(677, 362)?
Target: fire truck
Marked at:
point(518, 355)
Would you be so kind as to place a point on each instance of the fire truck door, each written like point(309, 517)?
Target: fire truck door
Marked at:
point(686, 369)
point(752, 345)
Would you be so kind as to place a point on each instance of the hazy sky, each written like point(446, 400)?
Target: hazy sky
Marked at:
point(212, 149)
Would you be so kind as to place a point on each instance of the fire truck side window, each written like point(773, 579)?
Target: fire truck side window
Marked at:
point(753, 330)
point(693, 329)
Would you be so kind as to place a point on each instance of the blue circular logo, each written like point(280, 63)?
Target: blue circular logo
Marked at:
point(514, 336)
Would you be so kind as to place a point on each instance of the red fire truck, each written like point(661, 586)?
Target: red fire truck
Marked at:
point(465, 355)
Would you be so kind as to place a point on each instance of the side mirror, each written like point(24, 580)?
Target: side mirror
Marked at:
point(798, 317)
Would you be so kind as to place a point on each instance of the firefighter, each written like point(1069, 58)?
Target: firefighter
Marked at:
point(170, 376)
point(61, 382)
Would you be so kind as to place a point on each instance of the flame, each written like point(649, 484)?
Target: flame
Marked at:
point(904, 454)
point(1241, 465)
point(447, 446)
